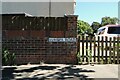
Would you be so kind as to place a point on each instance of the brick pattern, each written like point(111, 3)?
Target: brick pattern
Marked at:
point(71, 26)
point(51, 58)
point(34, 51)
point(33, 46)
point(39, 46)
point(57, 34)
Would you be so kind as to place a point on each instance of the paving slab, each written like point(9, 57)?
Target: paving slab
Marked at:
point(60, 72)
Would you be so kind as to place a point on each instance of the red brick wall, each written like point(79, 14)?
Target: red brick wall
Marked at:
point(37, 34)
point(10, 34)
point(51, 58)
point(33, 46)
point(57, 34)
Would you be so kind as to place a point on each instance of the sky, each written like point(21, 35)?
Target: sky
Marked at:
point(94, 11)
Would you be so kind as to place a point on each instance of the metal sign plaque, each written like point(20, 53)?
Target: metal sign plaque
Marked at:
point(62, 40)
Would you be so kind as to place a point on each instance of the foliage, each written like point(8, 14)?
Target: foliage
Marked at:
point(89, 56)
point(95, 26)
point(104, 21)
point(101, 61)
point(108, 20)
point(84, 27)
point(7, 57)
point(79, 58)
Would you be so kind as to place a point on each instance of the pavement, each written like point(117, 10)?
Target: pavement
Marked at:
point(60, 72)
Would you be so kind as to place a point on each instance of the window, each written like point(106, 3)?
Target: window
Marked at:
point(101, 31)
point(114, 30)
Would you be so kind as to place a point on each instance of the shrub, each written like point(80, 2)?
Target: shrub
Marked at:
point(7, 57)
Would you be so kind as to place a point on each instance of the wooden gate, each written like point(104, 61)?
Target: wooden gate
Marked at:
point(102, 50)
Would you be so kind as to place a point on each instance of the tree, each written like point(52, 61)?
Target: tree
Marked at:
point(108, 20)
point(115, 20)
point(95, 26)
point(84, 27)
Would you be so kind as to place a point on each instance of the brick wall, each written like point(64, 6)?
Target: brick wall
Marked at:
point(49, 58)
point(33, 45)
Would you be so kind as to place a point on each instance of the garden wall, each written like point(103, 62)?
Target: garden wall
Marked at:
point(36, 39)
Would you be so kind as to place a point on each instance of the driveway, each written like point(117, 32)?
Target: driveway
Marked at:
point(60, 72)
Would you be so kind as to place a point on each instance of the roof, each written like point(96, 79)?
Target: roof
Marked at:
point(24, 14)
point(112, 25)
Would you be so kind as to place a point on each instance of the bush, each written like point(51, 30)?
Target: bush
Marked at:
point(7, 57)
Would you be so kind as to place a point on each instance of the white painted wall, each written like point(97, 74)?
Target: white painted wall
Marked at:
point(32, 8)
point(53, 9)
point(62, 8)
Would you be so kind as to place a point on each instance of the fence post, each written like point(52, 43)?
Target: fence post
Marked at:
point(78, 44)
point(94, 49)
point(78, 49)
point(110, 54)
point(87, 49)
point(114, 50)
point(98, 50)
point(83, 49)
point(106, 50)
point(117, 50)
point(102, 48)
point(90, 39)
